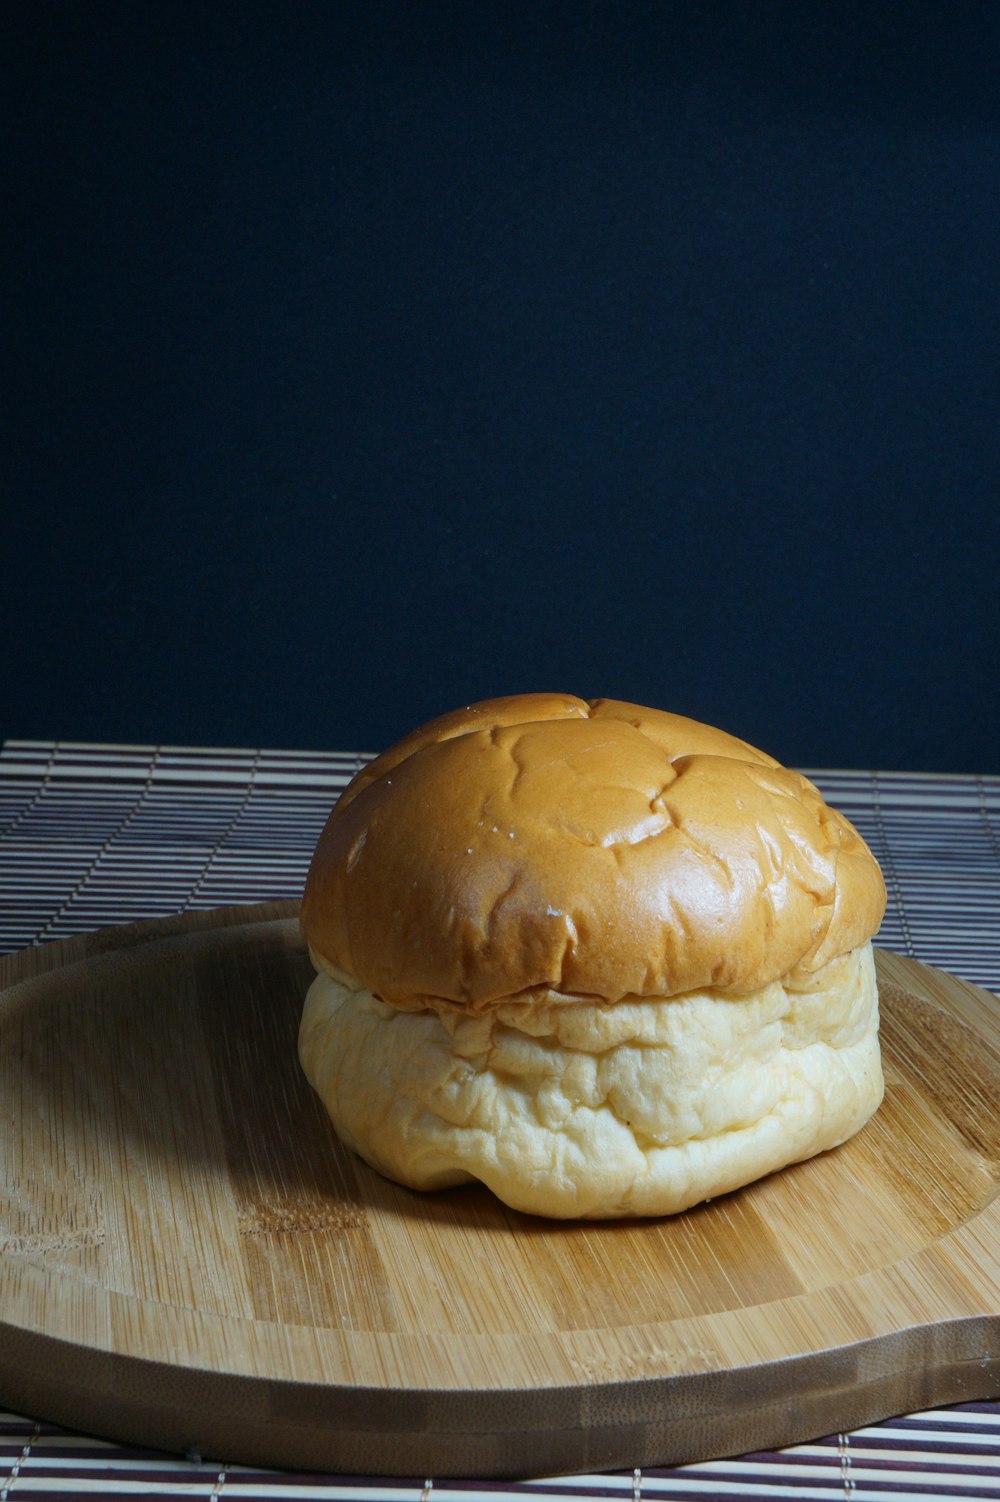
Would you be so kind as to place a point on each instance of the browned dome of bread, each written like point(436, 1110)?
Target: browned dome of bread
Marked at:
point(596, 848)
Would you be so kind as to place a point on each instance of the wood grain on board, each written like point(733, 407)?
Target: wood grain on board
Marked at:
point(189, 1258)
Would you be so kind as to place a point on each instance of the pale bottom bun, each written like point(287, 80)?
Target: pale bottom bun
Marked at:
point(567, 1107)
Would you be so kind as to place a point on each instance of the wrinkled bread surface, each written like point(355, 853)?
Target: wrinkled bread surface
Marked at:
point(571, 1107)
point(598, 848)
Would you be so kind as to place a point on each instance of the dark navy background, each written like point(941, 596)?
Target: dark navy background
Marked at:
point(369, 358)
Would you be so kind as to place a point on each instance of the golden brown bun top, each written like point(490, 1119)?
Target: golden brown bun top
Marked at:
point(598, 849)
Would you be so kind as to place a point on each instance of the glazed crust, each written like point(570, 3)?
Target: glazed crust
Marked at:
point(592, 848)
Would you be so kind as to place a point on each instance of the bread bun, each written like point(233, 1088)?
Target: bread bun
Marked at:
point(600, 849)
point(606, 959)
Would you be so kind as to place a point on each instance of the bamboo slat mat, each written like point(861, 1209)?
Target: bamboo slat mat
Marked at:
point(97, 835)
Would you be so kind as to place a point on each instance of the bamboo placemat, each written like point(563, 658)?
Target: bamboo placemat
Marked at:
point(97, 835)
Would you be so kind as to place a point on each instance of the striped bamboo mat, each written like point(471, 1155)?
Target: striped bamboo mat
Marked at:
point(99, 835)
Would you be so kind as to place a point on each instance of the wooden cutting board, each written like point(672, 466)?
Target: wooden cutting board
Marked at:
point(188, 1258)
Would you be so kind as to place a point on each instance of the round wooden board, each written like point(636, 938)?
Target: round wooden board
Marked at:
point(189, 1259)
